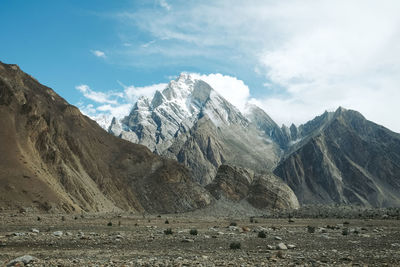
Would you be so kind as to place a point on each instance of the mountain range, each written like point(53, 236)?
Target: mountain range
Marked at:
point(183, 149)
point(53, 158)
point(337, 158)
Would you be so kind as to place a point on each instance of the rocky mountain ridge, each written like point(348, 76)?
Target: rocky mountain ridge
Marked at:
point(206, 132)
point(190, 122)
point(54, 159)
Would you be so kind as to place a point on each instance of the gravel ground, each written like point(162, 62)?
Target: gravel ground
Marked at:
point(132, 240)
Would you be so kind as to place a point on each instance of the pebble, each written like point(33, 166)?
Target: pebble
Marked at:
point(58, 233)
point(281, 246)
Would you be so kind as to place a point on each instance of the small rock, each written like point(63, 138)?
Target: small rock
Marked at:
point(281, 246)
point(278, 238)
point(233, 228)
point(187, 240)
point(36, 231)
point(345, 231)
point(291, 246)
point(245, 229)
point(26, 259)
point(280, 255)
point(346, 258)
point(18, 234)
point(58, 233)
point(270, 247)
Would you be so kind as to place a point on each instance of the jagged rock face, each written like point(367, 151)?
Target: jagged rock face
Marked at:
point(262, 191)
point(192, 123)
point(264, 123)
point(54, 158)
point(205, 147)
point(350, 160)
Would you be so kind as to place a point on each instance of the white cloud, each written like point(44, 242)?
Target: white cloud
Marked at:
point(98, 97)
point(98, 53)
point(232, 89)
point(118, 111)
point(349, 57)
point(148, 44)
point(132, 93)
point(314, 55)
point(111, 103)
point(164, 4)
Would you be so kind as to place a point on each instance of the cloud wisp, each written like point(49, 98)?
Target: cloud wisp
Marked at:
point(106, 105)
point(98, 53)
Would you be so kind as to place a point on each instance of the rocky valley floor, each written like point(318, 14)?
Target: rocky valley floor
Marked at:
point(133, 240)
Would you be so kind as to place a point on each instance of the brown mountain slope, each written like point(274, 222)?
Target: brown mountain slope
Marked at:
point(350, 160)
point(54, 158)
point(262, 191)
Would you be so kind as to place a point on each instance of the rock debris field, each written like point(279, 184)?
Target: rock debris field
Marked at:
point(183, 240)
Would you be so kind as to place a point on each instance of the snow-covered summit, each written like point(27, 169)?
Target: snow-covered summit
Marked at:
point(156, 122)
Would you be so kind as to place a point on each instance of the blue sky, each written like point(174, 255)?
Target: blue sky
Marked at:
point(293, 58)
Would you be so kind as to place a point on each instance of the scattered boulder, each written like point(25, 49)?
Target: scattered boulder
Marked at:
point(26, 259)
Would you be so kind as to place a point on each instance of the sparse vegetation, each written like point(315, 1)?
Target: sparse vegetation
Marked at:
point(262, 234)
point(193, 232)
point(166, 221)
point(235, 245)
point(168, 231)
point(109, 224)
point(311, 229)
point(233, 224)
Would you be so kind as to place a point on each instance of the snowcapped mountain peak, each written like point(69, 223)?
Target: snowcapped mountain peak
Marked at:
point(181, 87)
point(158, 121)
point(142, 103)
